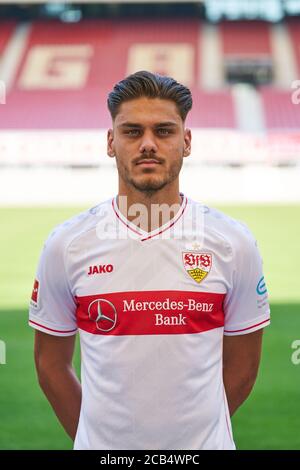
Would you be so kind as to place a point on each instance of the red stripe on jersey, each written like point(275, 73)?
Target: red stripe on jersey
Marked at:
point(50, 329)
point(249, 327)
point(150, 312)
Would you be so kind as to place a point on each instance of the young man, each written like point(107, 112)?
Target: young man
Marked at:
point(167, 295)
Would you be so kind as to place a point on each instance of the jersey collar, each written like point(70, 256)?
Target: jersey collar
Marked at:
point(142, 234)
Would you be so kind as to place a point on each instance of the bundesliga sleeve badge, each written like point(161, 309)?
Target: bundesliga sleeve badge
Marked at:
point(197, 264)
point(34, 295)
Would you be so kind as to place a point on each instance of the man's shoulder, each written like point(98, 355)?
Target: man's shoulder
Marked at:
point(70, 229)
point(235, 231)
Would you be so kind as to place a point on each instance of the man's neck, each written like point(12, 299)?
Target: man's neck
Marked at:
point(149, 211)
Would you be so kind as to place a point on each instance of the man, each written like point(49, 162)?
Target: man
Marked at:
point(167, 295)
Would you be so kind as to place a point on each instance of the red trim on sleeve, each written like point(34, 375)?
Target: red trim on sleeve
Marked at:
point(50, 329)
point(249, 327)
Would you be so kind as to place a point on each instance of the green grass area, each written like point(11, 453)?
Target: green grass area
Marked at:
point(270, 417)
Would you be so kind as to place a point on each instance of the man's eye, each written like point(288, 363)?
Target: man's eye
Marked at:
point(163, 131)
point(132, 132)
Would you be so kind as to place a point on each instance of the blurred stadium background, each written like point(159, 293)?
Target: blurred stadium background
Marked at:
point(58, 61)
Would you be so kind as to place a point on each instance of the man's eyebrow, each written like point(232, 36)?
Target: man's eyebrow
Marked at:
point(166, 124)
point(160, 124)
point(129, 124)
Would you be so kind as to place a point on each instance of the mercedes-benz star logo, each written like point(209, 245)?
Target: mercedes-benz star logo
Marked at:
point(103, 313)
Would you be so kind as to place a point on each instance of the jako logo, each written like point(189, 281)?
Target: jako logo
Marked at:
point(261, 286)
point(100, 269)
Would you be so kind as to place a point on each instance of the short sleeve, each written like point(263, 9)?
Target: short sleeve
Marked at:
point(52, 306)
point(246, 304)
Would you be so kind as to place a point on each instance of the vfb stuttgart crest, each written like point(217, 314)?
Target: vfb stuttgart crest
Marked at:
point(196, 264)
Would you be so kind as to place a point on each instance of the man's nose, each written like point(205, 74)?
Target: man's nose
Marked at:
point(148, 143)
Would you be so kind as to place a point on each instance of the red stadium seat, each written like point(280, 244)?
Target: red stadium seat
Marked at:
point(280, 112)
point(6, 30)
point(294, 30)
point(245, 38)
point(68, 69)
point(212, 110)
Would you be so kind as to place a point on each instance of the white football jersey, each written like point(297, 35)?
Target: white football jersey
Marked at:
point(151, 310)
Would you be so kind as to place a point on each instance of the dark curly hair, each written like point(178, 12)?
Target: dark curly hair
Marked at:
point(150, 85)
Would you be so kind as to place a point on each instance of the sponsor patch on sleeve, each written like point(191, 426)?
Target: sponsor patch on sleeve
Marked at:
point(35, 294)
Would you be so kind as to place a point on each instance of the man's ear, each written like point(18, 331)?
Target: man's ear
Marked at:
point(187, 142)
point(110, 143)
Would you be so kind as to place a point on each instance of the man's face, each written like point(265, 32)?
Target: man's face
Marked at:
point(149, 142)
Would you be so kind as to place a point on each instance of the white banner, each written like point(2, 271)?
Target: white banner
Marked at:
point(82, 148)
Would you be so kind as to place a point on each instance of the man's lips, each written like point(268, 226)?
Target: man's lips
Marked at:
point(148, 161)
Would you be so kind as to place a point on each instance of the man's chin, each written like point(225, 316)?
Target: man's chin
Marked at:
point(149, 184)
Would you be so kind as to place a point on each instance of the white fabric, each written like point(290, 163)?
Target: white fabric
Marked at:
point(147, 386)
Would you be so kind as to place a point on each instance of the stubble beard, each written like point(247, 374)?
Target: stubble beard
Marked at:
point(149, 186)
